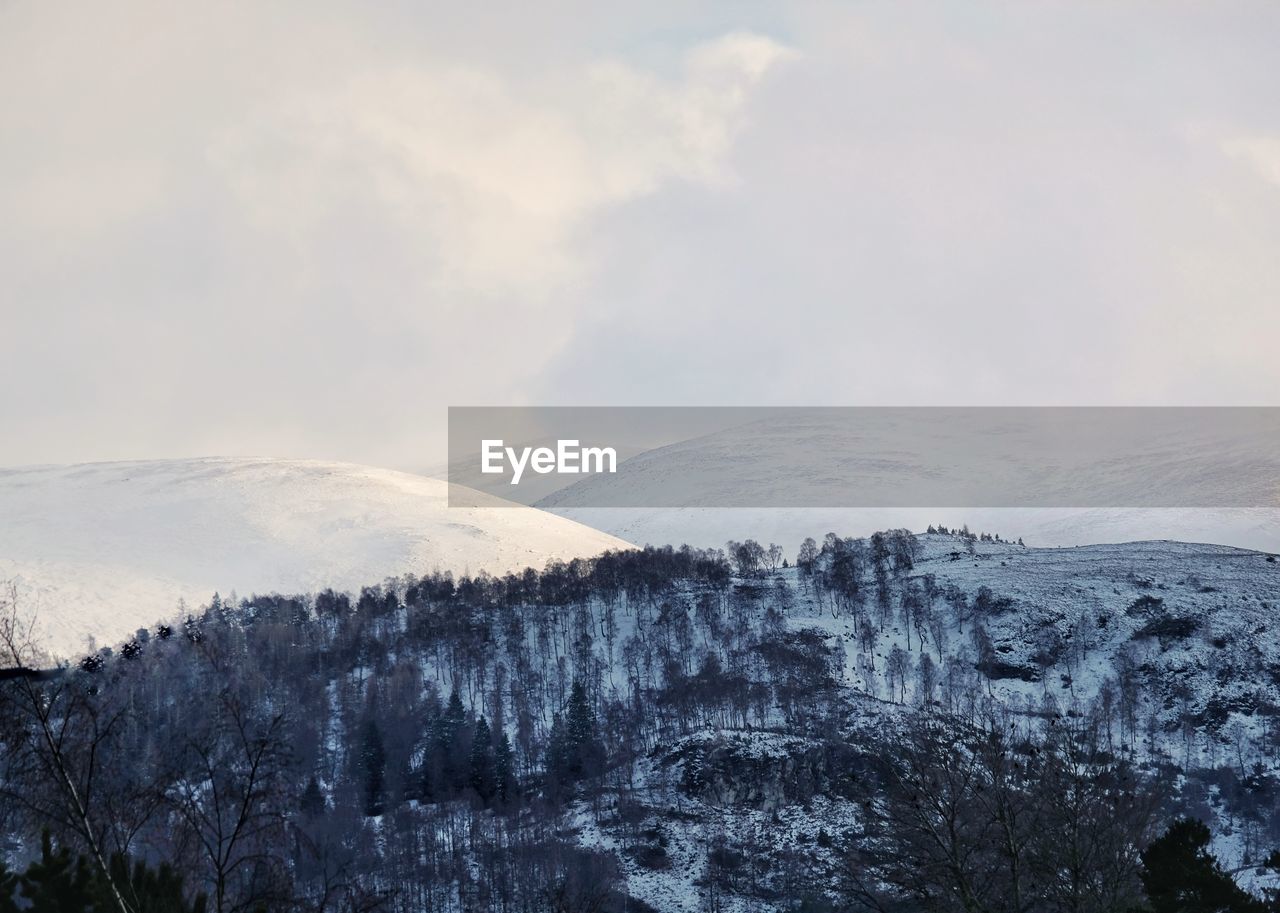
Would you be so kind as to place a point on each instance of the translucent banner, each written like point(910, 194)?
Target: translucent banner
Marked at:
point(672, 457)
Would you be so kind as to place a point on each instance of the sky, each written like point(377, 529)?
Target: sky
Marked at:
point(306, 229)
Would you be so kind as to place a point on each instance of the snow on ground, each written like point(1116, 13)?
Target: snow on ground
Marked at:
point(1077, 606)
point(664, 851)
point(1217, 674)
point(100, 549)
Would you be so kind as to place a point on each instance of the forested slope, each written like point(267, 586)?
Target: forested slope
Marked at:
point(686, 730)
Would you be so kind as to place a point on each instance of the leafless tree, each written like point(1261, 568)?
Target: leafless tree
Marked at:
point(54, 739)
point(227, 789)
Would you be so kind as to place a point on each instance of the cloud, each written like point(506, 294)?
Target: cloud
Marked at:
point(368, 217)
point(482, 178)
point(1261, 153)
point(303, 229)
point(988, 204)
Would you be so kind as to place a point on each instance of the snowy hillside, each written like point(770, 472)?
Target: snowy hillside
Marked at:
point(1195, 622)
point(673, 730)
point(798, 459)
point(100, 549)
point(1190, 631)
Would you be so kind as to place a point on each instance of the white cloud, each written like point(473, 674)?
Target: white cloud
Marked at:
point(1261, 153)
point(483, 177)
point(304, 228)
point(288, 229)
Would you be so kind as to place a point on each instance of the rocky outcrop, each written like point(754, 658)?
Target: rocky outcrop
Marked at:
point(767, 771)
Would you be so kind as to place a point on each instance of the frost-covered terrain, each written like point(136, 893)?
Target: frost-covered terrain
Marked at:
point(100, 549)
point(677, 730)
point(1181, 641)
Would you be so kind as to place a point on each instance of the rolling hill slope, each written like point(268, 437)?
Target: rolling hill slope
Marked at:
point(799, 459)
point(99, 549)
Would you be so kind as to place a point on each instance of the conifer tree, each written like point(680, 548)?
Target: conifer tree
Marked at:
point(1180, 875)
point(504, 774)
point(57, 882)
point(60, 882)
point(575, 750)
point(8, 888)
point(452, 744)
point(482, 775)
point(312, 803)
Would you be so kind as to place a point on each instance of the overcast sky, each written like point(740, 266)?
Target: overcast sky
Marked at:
point(304, 229)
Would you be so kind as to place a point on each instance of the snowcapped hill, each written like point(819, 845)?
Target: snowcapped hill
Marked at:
point(799, 459)
point(100, 549)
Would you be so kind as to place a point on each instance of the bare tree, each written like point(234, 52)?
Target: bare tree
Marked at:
point(971, 820)
point(55, 740)
point(897, 670)
point(227, 791)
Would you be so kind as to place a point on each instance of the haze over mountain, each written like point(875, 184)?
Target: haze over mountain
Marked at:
point(100, 549)
point(802, 457)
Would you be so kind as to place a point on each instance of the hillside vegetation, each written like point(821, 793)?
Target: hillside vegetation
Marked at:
point(937, 722)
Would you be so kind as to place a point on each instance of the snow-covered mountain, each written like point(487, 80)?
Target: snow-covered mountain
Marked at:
point(797, 459)
point(99, 549)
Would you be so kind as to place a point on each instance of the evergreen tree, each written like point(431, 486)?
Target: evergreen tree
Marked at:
point(149, 890)
point(575, 750)
point(1180, 875)
point(482, 776)
point(455, 715)
point(58, 882)
point(8, 890)
point(312, 803)
point(452, 744)
point(504, 774)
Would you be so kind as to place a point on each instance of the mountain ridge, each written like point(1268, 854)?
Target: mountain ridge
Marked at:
point(123, 542)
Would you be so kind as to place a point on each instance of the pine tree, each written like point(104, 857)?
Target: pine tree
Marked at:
point(312, 803)
point(504, 775)
point(8, 888)
point(57, 882)
point(452, 743)
point(482, 775)
point(583, 753)
point(61, 883)
point(150, 890)
point(455, 715)
point(1180, 875)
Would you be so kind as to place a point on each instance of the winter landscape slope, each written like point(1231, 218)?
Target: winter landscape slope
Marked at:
point(1191, 632)
point(795, 457)
point(100, 549)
